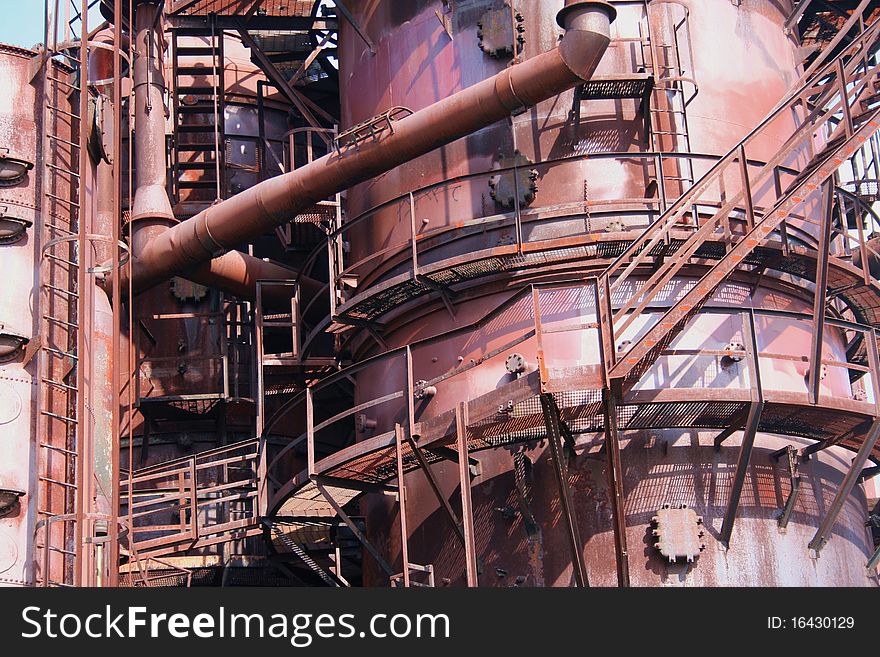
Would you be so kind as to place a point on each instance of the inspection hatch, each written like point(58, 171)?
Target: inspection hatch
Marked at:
point(679, 532)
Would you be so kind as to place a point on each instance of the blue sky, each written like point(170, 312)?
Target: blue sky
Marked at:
point(21, 21)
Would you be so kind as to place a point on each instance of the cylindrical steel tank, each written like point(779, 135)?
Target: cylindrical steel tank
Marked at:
point(35, 208)
point(718, 68)
point(19, 125)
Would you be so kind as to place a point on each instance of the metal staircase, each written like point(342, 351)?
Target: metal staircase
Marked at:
point(831, 100)
point(198, 150)
point(296, 548)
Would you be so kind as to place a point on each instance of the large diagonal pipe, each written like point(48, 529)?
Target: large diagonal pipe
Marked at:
point(187, 246)
point(151, 212)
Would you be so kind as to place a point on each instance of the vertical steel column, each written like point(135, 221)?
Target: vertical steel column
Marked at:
point(749, 430)
point(615, 485)
point(791, 455)
point(401, 504)
point(605, 318)
point(83, 309)
point(435, 487)
point(262, 468)
point(823, 534)
point(746, 187)
point(551, 419)
point(819, 299)
point(467, 511)
point(354, 528)
point(115, 417)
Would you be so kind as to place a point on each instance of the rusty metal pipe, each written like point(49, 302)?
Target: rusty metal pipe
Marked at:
point(276, 201)
point(237, 273)
point(150, 198)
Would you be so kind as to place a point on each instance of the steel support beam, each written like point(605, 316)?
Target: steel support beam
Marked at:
point(749, 430)
point(823, 534)
point(435, 487)
point(819, 297)
point(809, 450)
point(179, 6)
point(346, 14)
point(256, 23)
point(742, 466)
point(554, 438)
point(796, 15)
point(791, 455)
point(615, 485)
point(355, 530)
point(401, 504)
point(277, 79)
point(116, 300)
point(736, 423)
point(467, 510)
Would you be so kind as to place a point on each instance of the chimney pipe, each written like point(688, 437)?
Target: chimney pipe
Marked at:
point(187, 245)
point(151, 203)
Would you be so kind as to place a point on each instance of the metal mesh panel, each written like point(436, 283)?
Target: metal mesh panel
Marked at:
point(240, 7)
point(614, 89)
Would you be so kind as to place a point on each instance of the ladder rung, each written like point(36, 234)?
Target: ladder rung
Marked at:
point(61, 229)
point(58, 384)
point(63, 200)
point(58, 483)
point(200, 90)
point(56, 320)
point(62, 139)
point(204, 127)
point(52, 548)
point(59, 353)
point(60, 81)
point(63, 111)
point(64, 260)
point(55, 288)
point(192, 51)
point(63, 418)
point(196, 148)
point(58, 449)
point(62, 170)
point(199, 70)
point(196, 166)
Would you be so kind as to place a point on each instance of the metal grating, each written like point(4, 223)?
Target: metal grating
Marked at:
point(612, 88)
point(582, 411)
point(241, 7)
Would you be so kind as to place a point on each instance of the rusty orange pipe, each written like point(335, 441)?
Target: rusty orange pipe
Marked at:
point(274, 202)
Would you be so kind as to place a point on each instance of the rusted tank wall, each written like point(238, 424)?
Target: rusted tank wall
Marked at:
point(521, 540)
point(416, 63)
point(20, 105)
point(738, 64)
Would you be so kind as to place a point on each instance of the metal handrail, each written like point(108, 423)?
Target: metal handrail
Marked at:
point(539, 329)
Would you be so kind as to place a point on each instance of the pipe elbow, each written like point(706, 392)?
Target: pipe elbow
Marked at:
point(587, 26)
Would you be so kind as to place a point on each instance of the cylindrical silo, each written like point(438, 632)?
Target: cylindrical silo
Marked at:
point(586, 166)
